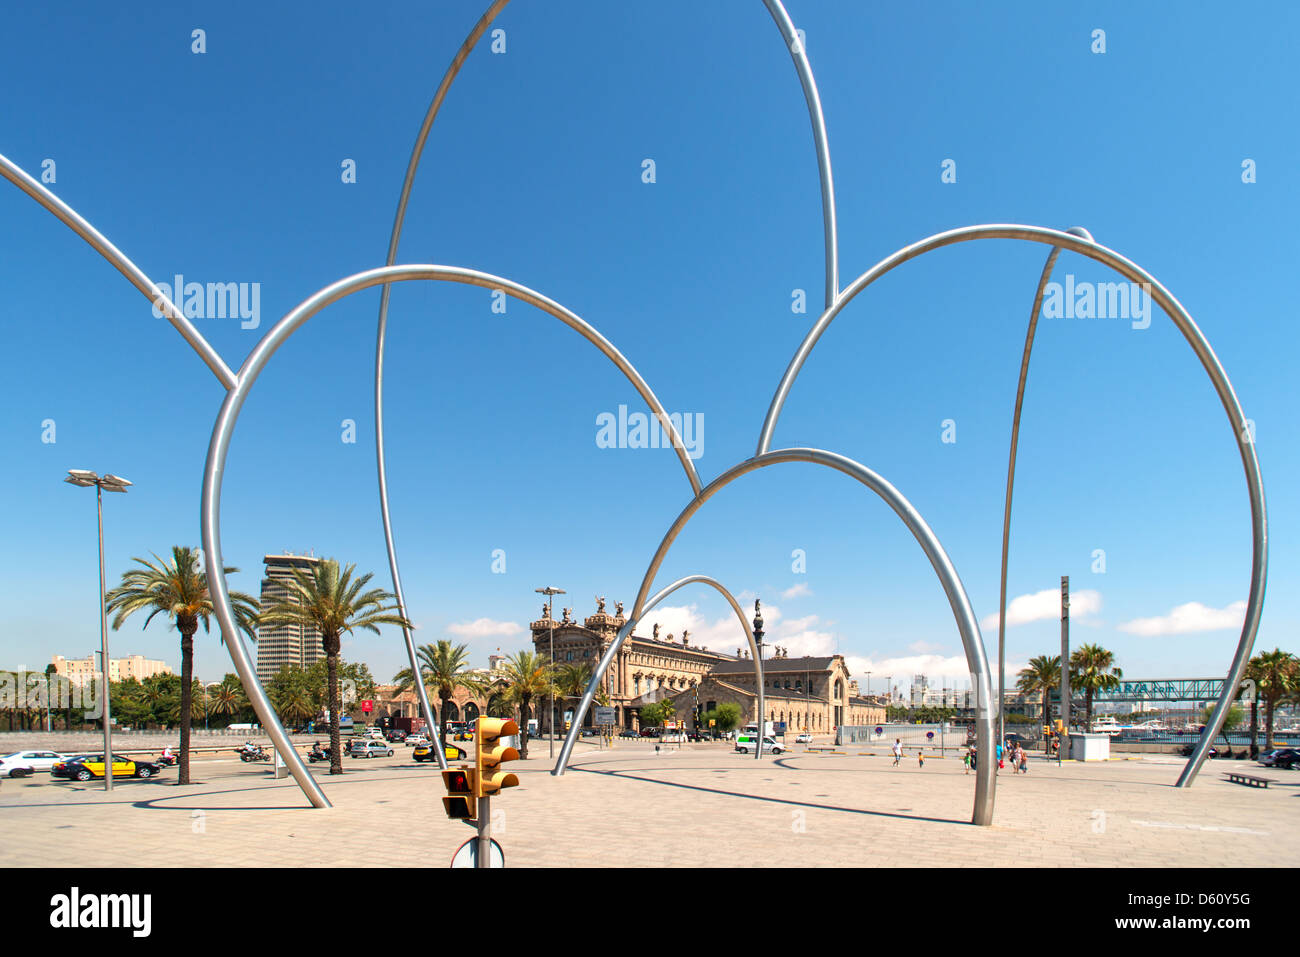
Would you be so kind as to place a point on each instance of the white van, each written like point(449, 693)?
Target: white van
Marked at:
point(746, 742)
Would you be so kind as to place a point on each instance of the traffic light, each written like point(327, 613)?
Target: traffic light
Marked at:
point(1047, 729)
point(489, 754)
point(462, 796)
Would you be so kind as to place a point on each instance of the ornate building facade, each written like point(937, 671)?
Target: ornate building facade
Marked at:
point(815, 694)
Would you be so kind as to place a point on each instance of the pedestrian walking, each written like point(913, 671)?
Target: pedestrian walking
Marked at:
point(1024, 761)
point(974, 758)
point(999, 757)
point(920, 758)
point(898, 751)
point(965, 760)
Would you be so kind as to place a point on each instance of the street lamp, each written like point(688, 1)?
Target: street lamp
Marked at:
point(758, 642)
point(84, 478)
point(550, 594)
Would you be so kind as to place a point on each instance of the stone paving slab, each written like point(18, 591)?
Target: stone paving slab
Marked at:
point(702, 806)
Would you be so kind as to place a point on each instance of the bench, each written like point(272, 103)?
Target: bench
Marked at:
point(1237, 777)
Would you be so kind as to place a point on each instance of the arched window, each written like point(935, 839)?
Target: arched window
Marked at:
point(453, 712)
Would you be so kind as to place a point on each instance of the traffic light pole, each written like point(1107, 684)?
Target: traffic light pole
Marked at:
point(483, 858)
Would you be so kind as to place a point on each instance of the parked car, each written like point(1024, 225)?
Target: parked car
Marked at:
point(804, 738)
point(628, 733)
point(651, 732)
point(87, 766)
point(424, 752)
point(22, 764)
point(1288, 758)
point(369, 749)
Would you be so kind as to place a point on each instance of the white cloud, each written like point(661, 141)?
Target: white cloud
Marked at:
point(924, 647)
point(723, 634)
point(1044, 605)
point(484, 628)
point(1187, 618)
point(800, 590)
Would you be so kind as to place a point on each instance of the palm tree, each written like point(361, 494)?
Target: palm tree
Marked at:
point(1043, 674)
point(179, 591)
point(571, 682)
point(526, 676)
point(1092, 669)
point(227, 697)
point(1275, 674)
point(444, 669)
point(327, 599)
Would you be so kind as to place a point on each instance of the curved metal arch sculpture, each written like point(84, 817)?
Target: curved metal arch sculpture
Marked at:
point(816, 118)
point(967, 624)
point(630, 625)
point(1209, 361)
point(119, 261)
point(835, 298)
point(1011, 467)
point(229, 414)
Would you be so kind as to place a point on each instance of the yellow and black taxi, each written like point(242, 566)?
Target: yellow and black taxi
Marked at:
point(424, 752)
point(85, 767)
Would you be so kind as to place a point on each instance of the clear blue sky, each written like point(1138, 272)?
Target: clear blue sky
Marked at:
point(225, 167)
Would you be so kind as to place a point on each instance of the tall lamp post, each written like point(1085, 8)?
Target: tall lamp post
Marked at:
point(550, 594)
point(85, 478)
point(758, 642)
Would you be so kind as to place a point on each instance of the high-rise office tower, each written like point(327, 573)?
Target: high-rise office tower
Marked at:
point(284, 644)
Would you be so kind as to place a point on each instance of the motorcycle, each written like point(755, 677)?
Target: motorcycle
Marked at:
point(165, 760)
point(257, 755)
point(318, 754)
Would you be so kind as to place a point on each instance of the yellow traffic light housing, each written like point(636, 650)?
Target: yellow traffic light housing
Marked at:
point(461, 802)
point(489, 754)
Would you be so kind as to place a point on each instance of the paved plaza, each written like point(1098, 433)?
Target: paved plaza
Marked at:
point(700, 806)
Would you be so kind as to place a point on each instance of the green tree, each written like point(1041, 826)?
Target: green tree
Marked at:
point(1092, 669)
point(294, 695)
point(444, 668)
point(1230, 723)
point(1042, 676)
point(1276, 675)
point(525, 676)
point(178, 591)
point(129, 703)
point(727, 716)
point(571, 682)
point(327, 598)
point(227, 698)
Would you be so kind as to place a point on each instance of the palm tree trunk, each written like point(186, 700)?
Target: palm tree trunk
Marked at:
point(1268, 722)
point(336, 745)
point(442, 714)
point(187, 694)
point(1254, 727)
